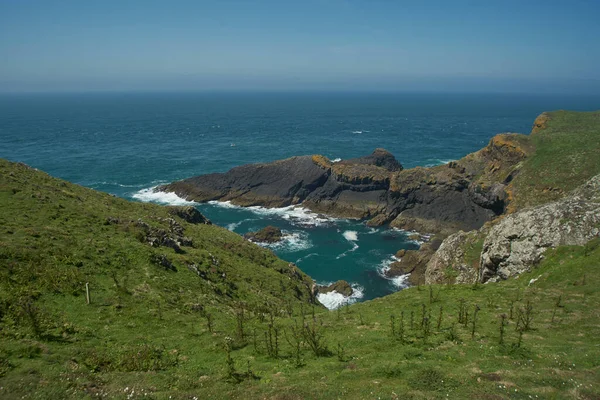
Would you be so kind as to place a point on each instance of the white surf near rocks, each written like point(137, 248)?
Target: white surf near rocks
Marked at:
point(333, 300)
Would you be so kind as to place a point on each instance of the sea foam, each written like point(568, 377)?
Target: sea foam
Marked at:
point(437, 161)
point(333, 300)
point(291, 242)
point(296, 215)
point(150, 195)
point(399, 282)
point(352, 237)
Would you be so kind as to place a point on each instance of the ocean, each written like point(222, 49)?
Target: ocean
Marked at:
point(128, 143)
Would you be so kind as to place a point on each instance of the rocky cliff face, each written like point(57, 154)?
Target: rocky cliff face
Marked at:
point(353, 188)
point(460, 195)
point(519, 240)
point(463, 194)
point(454, 261)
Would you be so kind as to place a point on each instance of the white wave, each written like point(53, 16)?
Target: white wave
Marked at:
point(336, 160)
point(150, 195)
point(351, 236)
point(385, 266)
point(305, 257)
point(333, 300)
point(95, 184)
point(296, 215)
point(423, 237)
point(233, 225)
point(401, 281)
point(344, 254)
point(292, 242)
point(437, 161)
point(223, 204)
point(357, 131)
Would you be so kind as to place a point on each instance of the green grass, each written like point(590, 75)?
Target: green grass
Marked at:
point(567, 154)
point(146, 332)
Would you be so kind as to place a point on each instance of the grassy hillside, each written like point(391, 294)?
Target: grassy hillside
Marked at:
point(567, 154)
point(224, 318)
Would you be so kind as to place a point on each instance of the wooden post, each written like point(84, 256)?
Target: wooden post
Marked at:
point(87, 292)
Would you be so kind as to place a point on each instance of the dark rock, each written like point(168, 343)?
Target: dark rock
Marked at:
point(269, 234)
point(413, 262)
point(189, 214)
point(380, 158)
point(352, 188)
point(340, 286)
point(275, 184)
point(173, 237)
point(461, 195)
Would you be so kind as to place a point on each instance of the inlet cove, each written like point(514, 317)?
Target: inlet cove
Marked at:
point(305, 276)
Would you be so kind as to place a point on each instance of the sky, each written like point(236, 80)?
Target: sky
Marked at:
point(374, 45)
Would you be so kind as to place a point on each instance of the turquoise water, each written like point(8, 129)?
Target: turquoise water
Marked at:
point(126, 143)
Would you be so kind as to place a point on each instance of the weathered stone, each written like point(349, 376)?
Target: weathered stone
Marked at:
point(518, 241)
point(411, 262)
point(269, 234)
point(189, 214)
point(461, 195)
point(449, 264)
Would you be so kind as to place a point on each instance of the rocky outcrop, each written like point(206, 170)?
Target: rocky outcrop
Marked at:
point(172, 237)
point(460, 195)
point(341, 287)
point(457, 259)
point(515, 243)
point(518, 241)
point(354, 188)
point(268, 234)
point(189, 214)
point(275, 184)
point(540, 123)
point(413, 262)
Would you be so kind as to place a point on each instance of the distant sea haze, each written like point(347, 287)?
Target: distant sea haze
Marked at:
point(128, 143)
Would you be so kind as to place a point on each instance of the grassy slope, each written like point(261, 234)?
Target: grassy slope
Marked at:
point(146, 335)
point(567, 154)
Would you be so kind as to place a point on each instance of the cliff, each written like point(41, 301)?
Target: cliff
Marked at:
point(460, 195)
point(512, 173)
point(553, 201)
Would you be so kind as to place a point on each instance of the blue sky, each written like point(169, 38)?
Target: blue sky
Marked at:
point(460, 45)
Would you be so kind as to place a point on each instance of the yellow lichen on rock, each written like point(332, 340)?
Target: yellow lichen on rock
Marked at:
point(540, 123)
point(322, 161)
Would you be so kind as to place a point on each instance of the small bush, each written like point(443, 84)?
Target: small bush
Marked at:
point(428, 379)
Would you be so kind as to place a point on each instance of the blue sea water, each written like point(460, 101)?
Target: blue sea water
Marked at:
point(126, 143)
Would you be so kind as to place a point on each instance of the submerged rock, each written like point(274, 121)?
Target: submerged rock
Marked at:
point(342, 287)
point(269, 234)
